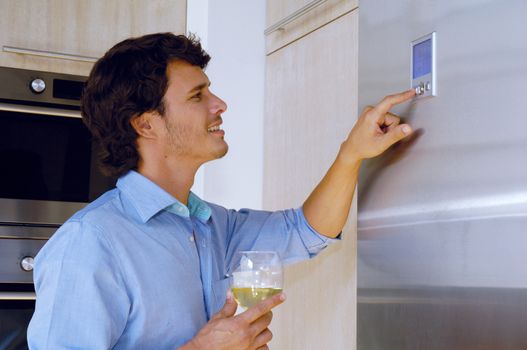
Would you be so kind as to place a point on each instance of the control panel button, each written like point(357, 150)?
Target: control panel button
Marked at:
point(27, 263)
point(428, 86)
point(420, 89)
point(37, 85)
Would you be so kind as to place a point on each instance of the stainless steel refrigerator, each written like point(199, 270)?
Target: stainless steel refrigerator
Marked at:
point(442, 222)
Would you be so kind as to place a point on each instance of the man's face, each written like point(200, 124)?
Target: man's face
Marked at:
point(192, 115)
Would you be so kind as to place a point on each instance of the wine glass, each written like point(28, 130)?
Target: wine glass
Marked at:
point(258, 277)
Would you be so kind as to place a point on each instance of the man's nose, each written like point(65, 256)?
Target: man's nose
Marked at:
point(219, 106)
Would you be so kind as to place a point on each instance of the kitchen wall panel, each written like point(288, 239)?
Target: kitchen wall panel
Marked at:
point(311, 104)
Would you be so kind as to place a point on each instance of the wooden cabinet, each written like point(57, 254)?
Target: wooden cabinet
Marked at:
point(290, 20)
point(80, 27)
point(278, 9)
point(311, 105)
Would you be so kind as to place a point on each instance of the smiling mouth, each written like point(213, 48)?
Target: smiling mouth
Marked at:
point(214, 128)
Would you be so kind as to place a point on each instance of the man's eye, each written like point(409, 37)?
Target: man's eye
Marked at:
point(197, 96)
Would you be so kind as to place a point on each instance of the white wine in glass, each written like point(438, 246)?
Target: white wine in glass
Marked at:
point(258, 277)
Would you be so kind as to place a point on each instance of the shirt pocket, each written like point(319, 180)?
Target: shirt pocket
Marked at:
point(219, 292)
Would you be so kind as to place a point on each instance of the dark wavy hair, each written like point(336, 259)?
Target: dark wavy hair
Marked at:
point(130, 79)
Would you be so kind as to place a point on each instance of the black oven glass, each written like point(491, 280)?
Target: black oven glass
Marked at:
point(46, 157)
point(14, 319)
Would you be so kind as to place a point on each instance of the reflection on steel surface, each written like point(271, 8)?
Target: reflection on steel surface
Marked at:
point(442, 217)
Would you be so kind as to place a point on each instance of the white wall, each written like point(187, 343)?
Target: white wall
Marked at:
point(232, 33)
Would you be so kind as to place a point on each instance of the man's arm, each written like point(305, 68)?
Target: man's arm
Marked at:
point(327, 207)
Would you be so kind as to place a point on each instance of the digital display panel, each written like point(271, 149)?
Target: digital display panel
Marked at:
point(67, 89)
point(422, 58)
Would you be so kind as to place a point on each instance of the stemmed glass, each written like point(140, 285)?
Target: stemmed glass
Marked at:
point(258, 277)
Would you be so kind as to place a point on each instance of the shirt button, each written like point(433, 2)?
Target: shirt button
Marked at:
point(191, 238)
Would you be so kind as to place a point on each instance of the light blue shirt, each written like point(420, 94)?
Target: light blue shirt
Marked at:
point(136, 269)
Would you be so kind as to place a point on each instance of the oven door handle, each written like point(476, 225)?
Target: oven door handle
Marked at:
point(9, 107)
point(18, 296)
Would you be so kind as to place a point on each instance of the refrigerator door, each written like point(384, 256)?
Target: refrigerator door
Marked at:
point(442, 261)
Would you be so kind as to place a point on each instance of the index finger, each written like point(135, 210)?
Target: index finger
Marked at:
point(257, 311)
point(389, 101)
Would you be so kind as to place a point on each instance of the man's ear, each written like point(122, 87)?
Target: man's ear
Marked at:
point(143, 125)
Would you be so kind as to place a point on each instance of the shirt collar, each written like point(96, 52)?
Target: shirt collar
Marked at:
point(149, 199)
point(196, 207)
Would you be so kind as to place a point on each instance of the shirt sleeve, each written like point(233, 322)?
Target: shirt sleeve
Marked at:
point(81, 299)
point(285, 231)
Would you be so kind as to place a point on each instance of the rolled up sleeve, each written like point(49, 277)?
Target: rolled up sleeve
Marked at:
point(284, 231)
point(313, 240)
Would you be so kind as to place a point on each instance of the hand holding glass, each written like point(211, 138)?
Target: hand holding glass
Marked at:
point(259, 276)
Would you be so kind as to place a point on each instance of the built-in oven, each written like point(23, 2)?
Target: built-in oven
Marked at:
point(48, 171)
point(17, 295)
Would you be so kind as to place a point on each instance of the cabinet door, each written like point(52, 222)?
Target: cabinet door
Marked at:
point(290, 20)
point(278, 9)
point(80, 27)
point(311, 105)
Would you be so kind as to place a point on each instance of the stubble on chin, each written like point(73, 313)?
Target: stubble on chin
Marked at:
point(222, 153)
point(182, 143)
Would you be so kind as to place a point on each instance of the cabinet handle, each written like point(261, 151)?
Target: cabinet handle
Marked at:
point(300, 12)
point(64, 56)
point(17, 296)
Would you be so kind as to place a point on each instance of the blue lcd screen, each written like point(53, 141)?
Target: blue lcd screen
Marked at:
point(422, 58)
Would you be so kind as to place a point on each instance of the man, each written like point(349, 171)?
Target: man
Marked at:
point(146, 265)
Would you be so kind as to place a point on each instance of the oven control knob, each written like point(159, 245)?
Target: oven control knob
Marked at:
point(27, 263)
point(37, 85)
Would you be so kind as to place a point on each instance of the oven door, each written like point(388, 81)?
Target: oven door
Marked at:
point(18, 247)
point(49, 169)
point(17, 304)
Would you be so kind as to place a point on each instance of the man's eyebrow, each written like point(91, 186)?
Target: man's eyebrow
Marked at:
point(199, 87)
